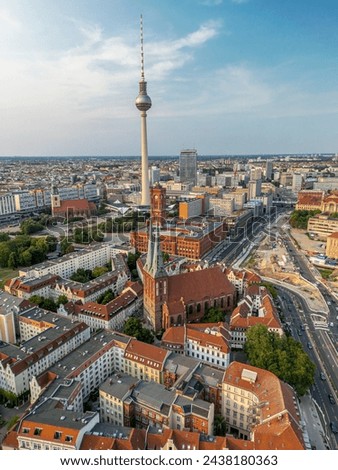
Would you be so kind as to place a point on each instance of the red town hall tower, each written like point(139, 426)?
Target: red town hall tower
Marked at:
point(157, 208)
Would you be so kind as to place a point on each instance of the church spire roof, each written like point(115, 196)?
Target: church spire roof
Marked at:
point(154, 264)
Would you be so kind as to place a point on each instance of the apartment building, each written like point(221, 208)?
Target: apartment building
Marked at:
point(96, 254)
point(242, 279)
point(222, 206)
point(19, 364)
point(256, 308)
point(124, 400)
point(322, 225)
point(209, 343)
point(145, 361)
point(24, 288)
point(115, 313)
point(50, 428)
point(90, 364)
point(260, 407)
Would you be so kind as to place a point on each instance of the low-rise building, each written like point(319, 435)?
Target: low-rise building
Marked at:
point(209, 343)
point(256, 308)
point(322, 225)
point(114, 314)
point(309, 200)
point(332, 245)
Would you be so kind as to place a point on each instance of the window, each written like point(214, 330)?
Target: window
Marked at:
point(37, 431)
point(69, 438)
point(57, 435)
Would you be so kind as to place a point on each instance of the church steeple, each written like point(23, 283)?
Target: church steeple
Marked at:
point(154, 262)
point(149, 260)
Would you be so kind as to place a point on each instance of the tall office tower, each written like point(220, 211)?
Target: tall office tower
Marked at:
point(268, 170)
point(255, 188)
point(256, 173)
point(143, 103)
point(154, 174)
point(297, 181)
point(188, 166)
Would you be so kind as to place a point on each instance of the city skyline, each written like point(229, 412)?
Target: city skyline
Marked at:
point(226, 77)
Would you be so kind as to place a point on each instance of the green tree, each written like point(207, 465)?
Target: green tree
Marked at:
point(5, 253)
point(105, 297)
point(283, 356)
point(51, 242)
point(220, 425)
point(299, 219)
point(36, 299)
point(271, 289)
point(25, 258)
point(133, 327)
point(165, 257)
point(4, 237)
point(82, 275)
point(99, 270)
point(213, 315)
point(62, 299)
point(29, 226)
point(66, 246)
point(13, 260)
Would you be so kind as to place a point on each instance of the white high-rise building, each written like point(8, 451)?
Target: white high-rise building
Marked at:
point(297, 181)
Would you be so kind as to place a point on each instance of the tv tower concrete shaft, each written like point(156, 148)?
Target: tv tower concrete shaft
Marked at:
point(143, 103)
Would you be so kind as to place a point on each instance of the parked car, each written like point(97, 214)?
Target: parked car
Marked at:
point(322, 376)
point(334, 427)
point(331, 398)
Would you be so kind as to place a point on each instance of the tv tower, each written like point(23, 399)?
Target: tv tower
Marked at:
point(143, 103)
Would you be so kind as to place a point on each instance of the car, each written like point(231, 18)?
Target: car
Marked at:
point(309, 345)
point(331, 398)
point(302, 327)
point(334, 427)
point(300, 333)
point(322, 376)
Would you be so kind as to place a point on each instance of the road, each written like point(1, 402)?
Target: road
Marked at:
point(316, 344)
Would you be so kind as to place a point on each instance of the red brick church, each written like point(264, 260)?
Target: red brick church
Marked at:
point(71, 207)
point(175, 299)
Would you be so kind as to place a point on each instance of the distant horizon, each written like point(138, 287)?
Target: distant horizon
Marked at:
point(161, 157)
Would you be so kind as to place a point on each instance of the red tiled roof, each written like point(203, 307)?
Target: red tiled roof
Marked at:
point(74, 204)
point(333, 235)
point(174, 335)
point(310, 198)
point(107, 311)
point(145, 354)
point(10, 442)
point(203, 284)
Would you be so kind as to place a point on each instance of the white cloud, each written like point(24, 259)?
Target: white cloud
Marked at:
point(239, 2)
point(7, 19)
point(211, 3)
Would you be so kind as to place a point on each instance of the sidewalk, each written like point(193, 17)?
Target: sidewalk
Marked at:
point(313, 424)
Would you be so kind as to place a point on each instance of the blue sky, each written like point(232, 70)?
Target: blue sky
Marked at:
point(225, 76)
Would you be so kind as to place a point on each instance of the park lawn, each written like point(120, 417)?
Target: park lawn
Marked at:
point(5, 274)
